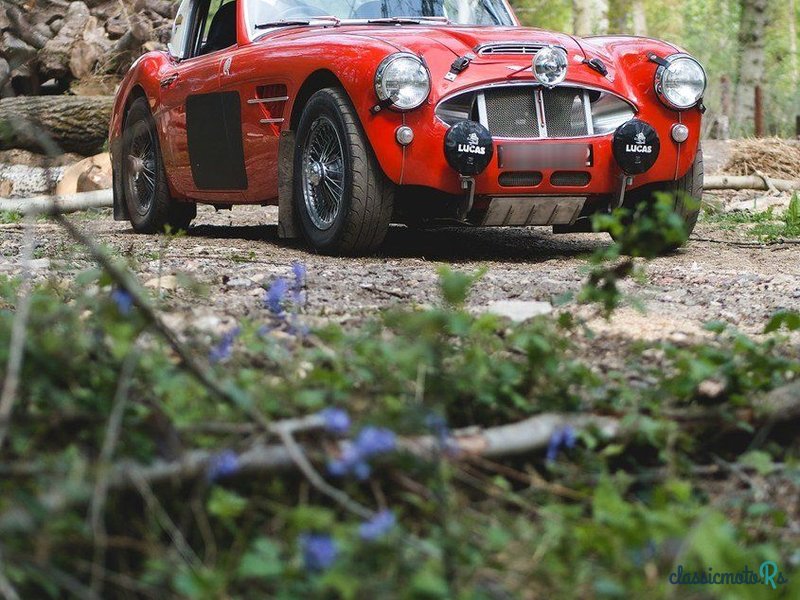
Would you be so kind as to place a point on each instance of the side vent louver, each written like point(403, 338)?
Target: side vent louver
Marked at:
point(272, 101)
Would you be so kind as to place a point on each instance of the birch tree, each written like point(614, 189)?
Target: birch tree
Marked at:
point(639, 17)
point(751, 62)
point(793, 56)
point(590, 17)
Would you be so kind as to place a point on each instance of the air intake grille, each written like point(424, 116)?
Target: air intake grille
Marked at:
point(525, 111)
point(570, 178)
point(509, 48)
point(511, 112)
point(520, 178)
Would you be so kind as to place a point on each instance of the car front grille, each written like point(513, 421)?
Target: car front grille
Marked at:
point(527, 111)
point(511, 112)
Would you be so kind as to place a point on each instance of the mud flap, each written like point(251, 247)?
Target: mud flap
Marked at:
point(287, 228)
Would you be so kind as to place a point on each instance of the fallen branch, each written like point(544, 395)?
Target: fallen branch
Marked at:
point(41, 205)
point(748, 182)
point(494, 442)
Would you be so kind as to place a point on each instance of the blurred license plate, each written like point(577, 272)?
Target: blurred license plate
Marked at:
point(544, 156)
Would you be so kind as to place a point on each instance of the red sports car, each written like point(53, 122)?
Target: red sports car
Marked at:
point(351, 115)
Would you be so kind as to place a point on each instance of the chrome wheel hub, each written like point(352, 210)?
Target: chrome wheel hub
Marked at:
point(316, 173)
point(323, 173)
point(140, 177)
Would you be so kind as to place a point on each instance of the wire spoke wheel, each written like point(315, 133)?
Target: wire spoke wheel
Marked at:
point(323, 173)
point(140, 168)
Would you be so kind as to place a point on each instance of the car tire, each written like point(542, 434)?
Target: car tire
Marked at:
point(342, 198)
point(144, 186)
point(687, 191)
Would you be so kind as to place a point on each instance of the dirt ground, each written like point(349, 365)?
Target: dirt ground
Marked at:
point(720, 275)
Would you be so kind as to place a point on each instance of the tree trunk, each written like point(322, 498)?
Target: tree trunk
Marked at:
point(590, 17)
point(751, 62)
point(55, 124)
point(582, 17)
point(639, 17)
point(794, 67)
point(600, 16)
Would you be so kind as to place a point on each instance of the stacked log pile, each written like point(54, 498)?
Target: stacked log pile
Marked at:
point(48, 45)
point(60, 62)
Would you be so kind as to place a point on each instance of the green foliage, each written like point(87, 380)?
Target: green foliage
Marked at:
point(651, 230)
point(765, 225)
point(10, 217)
point(595, 522)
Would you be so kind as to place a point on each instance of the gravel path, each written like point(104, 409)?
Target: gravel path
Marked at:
point(228, 255)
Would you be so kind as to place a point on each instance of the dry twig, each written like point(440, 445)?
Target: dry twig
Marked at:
point(18, 332)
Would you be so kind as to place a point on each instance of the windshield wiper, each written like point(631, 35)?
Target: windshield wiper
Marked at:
point(296, 22)
point(407, 20)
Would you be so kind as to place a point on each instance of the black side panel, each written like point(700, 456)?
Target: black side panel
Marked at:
point(214, 132)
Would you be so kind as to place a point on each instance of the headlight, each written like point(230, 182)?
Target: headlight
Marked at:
point(681, 83)
point(402, 79)
point(550, 66)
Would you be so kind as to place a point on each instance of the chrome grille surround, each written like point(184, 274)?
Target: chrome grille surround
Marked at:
point(531, 111)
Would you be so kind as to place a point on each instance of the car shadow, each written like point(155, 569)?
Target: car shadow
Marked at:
point(457, 244)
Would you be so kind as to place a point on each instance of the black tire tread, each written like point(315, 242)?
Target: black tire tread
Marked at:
point(165, 211)
point(688, 193)
point(372, 194)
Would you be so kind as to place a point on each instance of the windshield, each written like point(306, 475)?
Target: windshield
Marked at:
point(462, 12)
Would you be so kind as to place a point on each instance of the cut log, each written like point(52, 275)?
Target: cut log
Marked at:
point(55, 124)
point(129, 46)
point(41, 205)
point(75, 49)
point(748, 182)
point(26, 32)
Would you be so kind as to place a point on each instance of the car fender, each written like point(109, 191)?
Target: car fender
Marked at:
point(632, 54)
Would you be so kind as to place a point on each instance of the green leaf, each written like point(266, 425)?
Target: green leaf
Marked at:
point(759, 460)
point(455, 285)
point(225, 504)
point(261, 561)
point(785, 318)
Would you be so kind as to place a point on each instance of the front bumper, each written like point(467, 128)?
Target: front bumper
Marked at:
point(423, 163)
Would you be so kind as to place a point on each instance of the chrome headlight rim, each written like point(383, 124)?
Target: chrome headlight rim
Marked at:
point(380, 78)
point(563, 56)
point(659, 77)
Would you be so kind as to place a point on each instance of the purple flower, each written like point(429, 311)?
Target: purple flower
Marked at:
point(355, 456)
point(223, 349)
point(123, 300)
point(337, 421)
point(299, 271)
point(319, 551)
point(563, 438)
point(224, 464)
point(276, 295)
point(351, 462)
point(377, 526)
point(375, 440)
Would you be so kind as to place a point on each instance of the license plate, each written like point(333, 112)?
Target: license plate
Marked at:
point(544, 156)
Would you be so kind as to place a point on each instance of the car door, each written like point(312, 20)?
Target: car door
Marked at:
point(203, 151)
point(262, 104)
point(262, 90)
